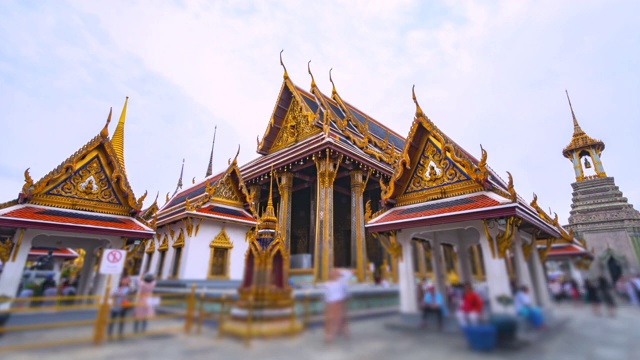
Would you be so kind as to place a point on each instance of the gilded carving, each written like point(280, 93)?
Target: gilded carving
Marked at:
point(179, 242)
point(89, 182)
point(511, 189)
point(6, 245)
point(221, 241)
point(434, 169)
point(504, 239)
point(296, 126)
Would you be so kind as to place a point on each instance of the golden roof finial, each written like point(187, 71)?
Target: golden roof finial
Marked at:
point(268, 220)
point(210, 168)
point(313, 81)
point(179, 186)
point(105, 130)
point(118, 136)
point(286, 76)
point(576, 127)
point(415, 100)
point(333, 91)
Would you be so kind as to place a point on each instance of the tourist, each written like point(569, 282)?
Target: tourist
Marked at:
point(629, 290)
point(121, 305)
point(592, 296)
point(524, 307)
point(556, 289)
point(343, 325)
point(575, 294)
point(636, 285)
point(471, 308)
point(145, 302)
point(607, 296)
point(432, 303)
point(334, 301)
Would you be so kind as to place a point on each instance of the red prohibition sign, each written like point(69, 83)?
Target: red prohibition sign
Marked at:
point(114, 256)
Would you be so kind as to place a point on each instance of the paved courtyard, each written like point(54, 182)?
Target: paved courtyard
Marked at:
point(583, 336)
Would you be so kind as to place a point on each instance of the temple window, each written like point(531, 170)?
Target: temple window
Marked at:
point(219, 259)
point(177, 254)
point(147, 266)
point(160, 264)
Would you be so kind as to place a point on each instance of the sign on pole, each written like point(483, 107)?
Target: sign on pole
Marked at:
point(113, 261)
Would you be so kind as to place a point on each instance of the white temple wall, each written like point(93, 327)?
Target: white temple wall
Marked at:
point(197, 253)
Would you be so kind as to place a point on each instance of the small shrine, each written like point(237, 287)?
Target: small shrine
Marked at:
point(265, 306)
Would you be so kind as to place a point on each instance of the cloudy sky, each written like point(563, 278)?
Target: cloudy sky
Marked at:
point(486, 72)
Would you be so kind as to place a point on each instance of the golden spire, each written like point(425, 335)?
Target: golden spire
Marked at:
point(580, 140)
point(210, 168)
point(105, 130)
point(118, 136)
point(286, 76)
point(576, 127)
point(268, 221)
point(313, 81)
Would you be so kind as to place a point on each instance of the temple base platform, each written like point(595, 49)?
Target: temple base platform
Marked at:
point(261, 328)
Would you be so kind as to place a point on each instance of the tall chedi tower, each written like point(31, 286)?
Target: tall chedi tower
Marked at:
point(599, 212)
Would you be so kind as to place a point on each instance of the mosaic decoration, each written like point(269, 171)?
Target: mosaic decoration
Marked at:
point(434, 169)
point(297, 125)
point(89, 182)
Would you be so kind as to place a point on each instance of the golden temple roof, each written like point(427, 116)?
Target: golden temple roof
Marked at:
point(580, 140)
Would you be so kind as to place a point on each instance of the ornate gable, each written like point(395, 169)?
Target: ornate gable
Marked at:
point(92, 179)
point(292, 119)
point(432, 167)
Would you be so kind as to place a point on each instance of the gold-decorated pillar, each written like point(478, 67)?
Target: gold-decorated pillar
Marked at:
point(326, 169)
point(358, 245)
point(422, 260)
point(285, 185)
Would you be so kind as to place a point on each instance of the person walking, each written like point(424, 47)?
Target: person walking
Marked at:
point(121, 305)
point(145, 306)
point(592, 296)
point(607, 296)
point(335, 294)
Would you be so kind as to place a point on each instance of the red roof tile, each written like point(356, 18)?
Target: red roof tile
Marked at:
point(453, 205)
point(64, 253)
point(226, 212)
point(73, 218)
point(566, 250)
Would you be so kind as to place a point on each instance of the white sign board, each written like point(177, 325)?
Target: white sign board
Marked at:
point(113, 261)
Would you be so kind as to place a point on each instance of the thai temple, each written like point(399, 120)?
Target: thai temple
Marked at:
point(600, 214)
point(331, 187)
point(85, 203)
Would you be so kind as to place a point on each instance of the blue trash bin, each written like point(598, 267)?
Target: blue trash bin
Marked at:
point(480, 337)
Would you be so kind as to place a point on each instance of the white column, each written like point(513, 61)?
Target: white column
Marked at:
point(522, 269)
point(406, 275)
point(436, 263)
point(464, 265)
point(497, 277)
point(12, 270)
point(84, 284)
point(539, 279)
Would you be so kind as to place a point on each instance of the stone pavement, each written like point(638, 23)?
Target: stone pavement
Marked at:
point(584, 336)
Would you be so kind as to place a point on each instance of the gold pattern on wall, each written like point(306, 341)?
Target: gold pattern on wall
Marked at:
point(88, 183)
point(164, 245)
point(6, 245)
point(179, 242)
point(434, 169)
point(221, 241)
point(226, 191)
point(297, 125)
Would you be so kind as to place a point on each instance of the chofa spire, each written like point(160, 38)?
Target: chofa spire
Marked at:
point(179, 186)
point(118, 136)
point(576, 127)
point(210, 168)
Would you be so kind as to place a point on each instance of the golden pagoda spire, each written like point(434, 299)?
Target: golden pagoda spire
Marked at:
point(577, 131)
point(210, 168)
point(118, 136)
point(580, 140)
point(285, 75)
point(268, 220)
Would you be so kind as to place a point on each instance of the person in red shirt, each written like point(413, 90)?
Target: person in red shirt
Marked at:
point(471, 307)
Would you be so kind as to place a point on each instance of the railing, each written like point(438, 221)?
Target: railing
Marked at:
point(96, 324)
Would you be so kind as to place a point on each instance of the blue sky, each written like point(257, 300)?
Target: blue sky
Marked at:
point(490, 73)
